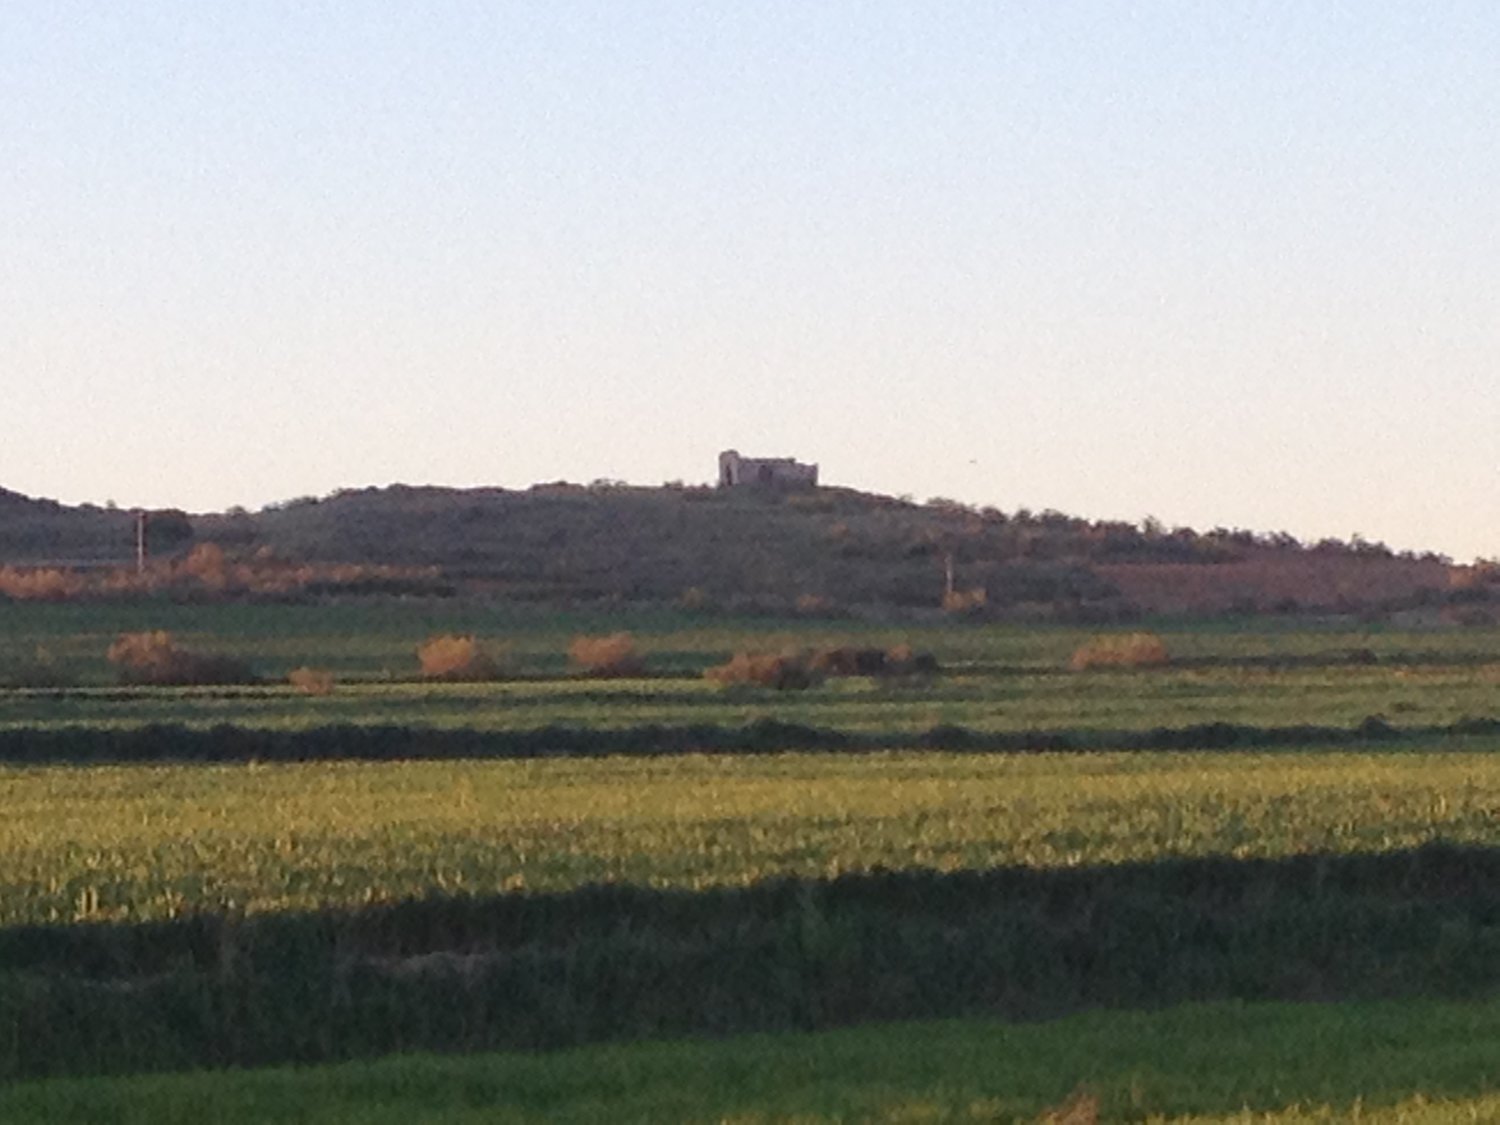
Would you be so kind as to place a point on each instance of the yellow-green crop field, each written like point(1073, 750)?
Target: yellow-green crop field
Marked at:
point(146, 843)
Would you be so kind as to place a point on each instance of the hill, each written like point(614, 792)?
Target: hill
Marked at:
point(805, 550)
point(831, 548)
point(44, 532)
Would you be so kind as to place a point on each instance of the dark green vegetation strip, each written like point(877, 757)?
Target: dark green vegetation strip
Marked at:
point(1200, 1060)
point(620, 962)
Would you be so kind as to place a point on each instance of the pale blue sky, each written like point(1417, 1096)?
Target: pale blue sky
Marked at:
point(1230, 263)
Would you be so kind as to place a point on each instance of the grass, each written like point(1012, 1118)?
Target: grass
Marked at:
point(1095, 703)
point(150, 842)
point(994, 679)
point(672, 892)
point(1416, 1061)
point(333, 910)
point(378, 639)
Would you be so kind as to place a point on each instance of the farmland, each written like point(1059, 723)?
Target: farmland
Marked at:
point(251, 875)
point(148, 843)
point(995, 678)
point(1193, 1065)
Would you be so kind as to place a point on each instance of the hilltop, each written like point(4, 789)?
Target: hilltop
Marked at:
point(44, 532)
point(811, 550)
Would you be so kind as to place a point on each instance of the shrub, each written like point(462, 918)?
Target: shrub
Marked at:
point(40, 584)
point(848, 661)
point(456, 658)
point(966, 601)
point(311, 681)
point(785, 672)
point(899, 660)
point(614, 655)
point(155, 658)
point(1125, 650)
point(206, 562)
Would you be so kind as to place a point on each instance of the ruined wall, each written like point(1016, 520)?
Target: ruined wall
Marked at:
point(764, 472)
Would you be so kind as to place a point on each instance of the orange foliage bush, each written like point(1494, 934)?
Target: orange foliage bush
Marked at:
point(209, 572)
point(457, 658)
point(154, 658)
point(614, 655)
point(785, 672)
point(1128, 650)
point(311, 681)
point(206, 563)
point(966, 601)
point(44, 584)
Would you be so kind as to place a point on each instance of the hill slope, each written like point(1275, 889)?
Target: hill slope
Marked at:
point(835, 547)
point(813, 550)
point(46, 532)
point(635, 543)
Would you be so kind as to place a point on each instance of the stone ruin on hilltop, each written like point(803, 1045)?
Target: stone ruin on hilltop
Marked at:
point(764, 472)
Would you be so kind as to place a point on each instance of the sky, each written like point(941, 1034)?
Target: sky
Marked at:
point(1231, 264)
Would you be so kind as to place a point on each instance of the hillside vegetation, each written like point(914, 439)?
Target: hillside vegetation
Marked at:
point(814, 551)
point(44, 531)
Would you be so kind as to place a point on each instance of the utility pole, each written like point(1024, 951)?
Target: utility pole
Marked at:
point(948, 571)
point(140, 540)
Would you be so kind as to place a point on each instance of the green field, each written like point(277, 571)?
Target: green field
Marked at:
point(166, 916)
point(377, 639)
point(1097, 703)
point(145, 843)
point(1274, 1064)
point(249, 876)
point(1003, 679)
